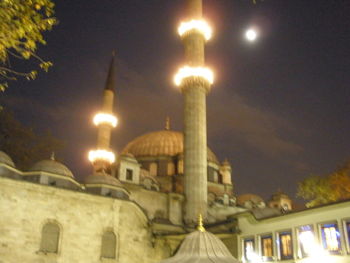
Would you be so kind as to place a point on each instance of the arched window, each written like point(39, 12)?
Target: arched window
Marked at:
point(50, 235)
point(109, 243)
point(171, 168)
point(180, 166)
point(153, 169)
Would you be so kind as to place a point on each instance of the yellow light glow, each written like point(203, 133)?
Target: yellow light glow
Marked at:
point(307, 239)
point(199, 25)
point(105, 118)
point(187, 71)
point(314, 251)
point(101, 155)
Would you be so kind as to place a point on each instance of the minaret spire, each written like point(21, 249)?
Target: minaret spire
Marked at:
point(194, 80)
point(110, 82)
point(103, 157)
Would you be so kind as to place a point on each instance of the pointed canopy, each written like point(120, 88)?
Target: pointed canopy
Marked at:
point(202, 247)
point(110, 82)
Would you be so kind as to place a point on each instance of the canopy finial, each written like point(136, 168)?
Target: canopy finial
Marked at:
point(200, 226)
point(167, 123)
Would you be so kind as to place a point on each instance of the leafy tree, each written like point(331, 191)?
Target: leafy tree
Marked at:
point(22, 144)
point(22, 23)
point(326, 189)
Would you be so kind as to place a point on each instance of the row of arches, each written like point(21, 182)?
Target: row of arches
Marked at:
point(51, 238)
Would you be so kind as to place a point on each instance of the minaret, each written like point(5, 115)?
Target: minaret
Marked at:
point(103, 157)
point(194, 80)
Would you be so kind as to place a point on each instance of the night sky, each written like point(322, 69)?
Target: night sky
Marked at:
point(279, 107)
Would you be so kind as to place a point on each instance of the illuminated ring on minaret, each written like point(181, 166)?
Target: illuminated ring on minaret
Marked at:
point(197, 25)
point(101, 155)
point(186, 72)
point(105, 118)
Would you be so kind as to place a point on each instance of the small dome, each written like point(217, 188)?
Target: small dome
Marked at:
point(160, 143)
point(51, 166)
point(279, 195)
point(202, 247)
point(5, 159)
point(100, 178)
point(255, 199)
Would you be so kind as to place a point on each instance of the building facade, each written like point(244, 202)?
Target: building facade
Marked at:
point(140, 206)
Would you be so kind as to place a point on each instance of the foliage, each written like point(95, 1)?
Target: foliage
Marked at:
point(22, 144)
point(326, 189)
point(22, 23)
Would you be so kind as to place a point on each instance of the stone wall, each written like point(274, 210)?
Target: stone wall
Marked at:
point(25, 207)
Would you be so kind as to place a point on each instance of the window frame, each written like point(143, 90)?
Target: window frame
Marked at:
point(299, 245)
point(265, 236)
point(244, 240)
point(116, 244)
point(278, 244)
point(321, 240)
point(59, 238)
point(346, 232)
point(127, 170)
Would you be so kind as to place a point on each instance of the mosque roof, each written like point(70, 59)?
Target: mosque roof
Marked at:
point(101, 178)
point(241, 199)
point(202, 247)
point(6, 159)
point(160, 143)
point(51, 166)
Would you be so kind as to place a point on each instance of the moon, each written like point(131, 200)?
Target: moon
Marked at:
point(251, 35)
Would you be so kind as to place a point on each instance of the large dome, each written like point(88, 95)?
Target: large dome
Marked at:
point(160, 143)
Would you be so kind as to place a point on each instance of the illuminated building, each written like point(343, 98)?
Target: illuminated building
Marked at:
point(139, 205)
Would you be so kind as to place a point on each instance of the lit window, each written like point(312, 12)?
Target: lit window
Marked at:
point(129, 174)
point(306, 241)
point(248, 246)
point(153, 169)
point(266, 247)
point(171, 168)
point(331, 238)
point(49, 238)
point(285, 245)
point(347, 225)
point(108, 247)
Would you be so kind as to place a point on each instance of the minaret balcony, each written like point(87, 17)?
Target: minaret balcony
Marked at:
point(194, 76)
point(198, 26)
point(105, 118)
point(101, 155)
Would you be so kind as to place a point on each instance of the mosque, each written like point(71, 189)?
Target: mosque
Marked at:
point(166, 198)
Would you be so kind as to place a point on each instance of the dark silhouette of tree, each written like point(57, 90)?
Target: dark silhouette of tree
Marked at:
point(22, 144)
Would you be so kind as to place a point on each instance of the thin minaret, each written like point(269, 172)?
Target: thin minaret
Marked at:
point(103, 157)
point(195, 80)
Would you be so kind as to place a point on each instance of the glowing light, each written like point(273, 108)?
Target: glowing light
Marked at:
point(101, 155)
point(251, 35)
point(105, 118)
point(313, 250)
point(199, 25)
point(187, 71)
point(252, 257)
point(307, 240)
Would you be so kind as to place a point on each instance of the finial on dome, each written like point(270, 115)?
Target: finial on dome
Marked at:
point(167, 123)
point(52, 156)
point(200, 226)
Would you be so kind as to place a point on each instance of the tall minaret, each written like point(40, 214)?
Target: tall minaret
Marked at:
point(195, 79)
point(103, 157)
